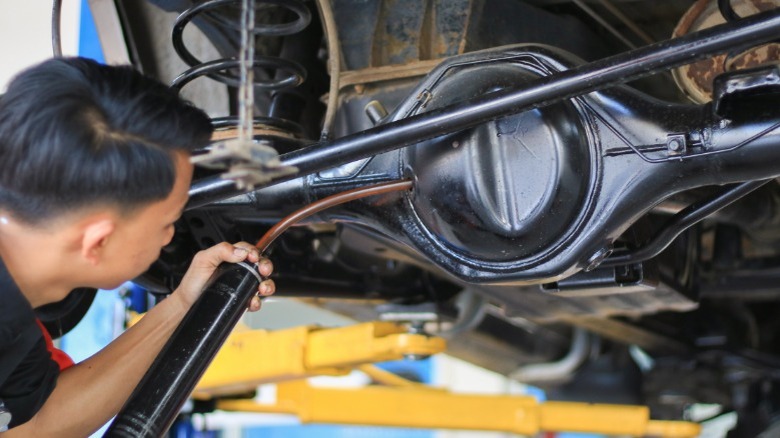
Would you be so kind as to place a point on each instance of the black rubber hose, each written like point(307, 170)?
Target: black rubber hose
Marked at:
point(56, 28)
point(727, 11)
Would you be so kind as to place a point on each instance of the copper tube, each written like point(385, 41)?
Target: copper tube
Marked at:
point(325, 203)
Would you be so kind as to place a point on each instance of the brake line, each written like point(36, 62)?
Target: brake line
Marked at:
point(325, 203)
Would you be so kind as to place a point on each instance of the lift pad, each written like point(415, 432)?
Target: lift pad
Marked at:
point(253, 357)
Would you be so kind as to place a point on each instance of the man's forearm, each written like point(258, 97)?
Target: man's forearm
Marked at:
point(88, 394)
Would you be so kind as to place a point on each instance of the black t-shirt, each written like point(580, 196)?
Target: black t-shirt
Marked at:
point(27, 372)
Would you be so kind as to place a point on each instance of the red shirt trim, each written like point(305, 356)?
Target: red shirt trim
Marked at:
point(59, 356)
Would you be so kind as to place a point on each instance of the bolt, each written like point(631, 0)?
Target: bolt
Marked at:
point(375, 111)
point(595, 260)
point(675, 145)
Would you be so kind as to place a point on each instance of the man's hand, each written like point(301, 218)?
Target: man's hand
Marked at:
point(80, 402)
point(205, 263)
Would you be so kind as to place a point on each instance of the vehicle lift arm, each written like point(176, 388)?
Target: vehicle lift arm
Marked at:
point(301, 352)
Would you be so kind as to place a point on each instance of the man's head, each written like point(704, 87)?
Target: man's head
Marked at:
point(75, 134)
point(94, 162)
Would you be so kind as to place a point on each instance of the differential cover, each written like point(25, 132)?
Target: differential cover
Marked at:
point(508, 188)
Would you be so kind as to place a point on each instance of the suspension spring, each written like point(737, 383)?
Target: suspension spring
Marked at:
point(282, 74)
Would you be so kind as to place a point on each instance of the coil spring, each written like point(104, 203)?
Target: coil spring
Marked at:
point(219, 69)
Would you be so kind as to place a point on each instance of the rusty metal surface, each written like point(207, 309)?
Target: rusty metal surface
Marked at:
point(386, 73)
point(259, 130)
point(397, 36)
point(356, 21)
point(450, 22)
point(696, 79)
point(396, 32)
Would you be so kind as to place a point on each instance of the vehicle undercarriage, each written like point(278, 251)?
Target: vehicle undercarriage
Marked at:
point(580, 195)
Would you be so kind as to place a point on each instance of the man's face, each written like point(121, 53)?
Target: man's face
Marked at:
point(138, 239)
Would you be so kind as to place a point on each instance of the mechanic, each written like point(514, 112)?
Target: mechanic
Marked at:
point(94, 171)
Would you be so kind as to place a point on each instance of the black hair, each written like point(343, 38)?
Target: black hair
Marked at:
point(75, 133)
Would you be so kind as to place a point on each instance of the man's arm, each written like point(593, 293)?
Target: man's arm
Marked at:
point(88, 394)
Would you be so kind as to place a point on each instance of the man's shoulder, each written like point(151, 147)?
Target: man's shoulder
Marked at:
point(18, 329)
point(16, 314)
point(21, 346)
point(27, 373)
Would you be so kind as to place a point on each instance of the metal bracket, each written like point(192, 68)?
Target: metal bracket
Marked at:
point(676, 144)
point(249, 164)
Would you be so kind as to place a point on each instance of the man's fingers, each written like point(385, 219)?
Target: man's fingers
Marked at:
point(206, 262)
point(241, 251)
point(224, 252)
point(265, 267)
point(266, 288)
point(255, 304)
point(246, 251)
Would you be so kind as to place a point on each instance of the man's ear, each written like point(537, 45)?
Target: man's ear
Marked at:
point(94, 239)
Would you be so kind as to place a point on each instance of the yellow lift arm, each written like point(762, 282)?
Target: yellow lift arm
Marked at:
point(286, 357)
point(434, 409)
point(252, 357)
